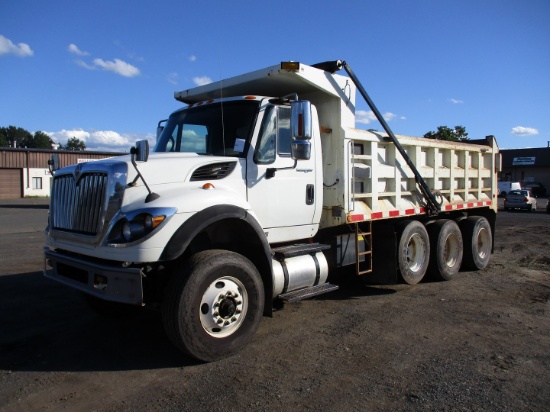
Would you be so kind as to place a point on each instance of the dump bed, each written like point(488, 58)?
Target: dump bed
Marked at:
point(374, 181)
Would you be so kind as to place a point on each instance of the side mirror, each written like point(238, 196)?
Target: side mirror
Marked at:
point(53, 163)
point(301, 124)
point(160, 128)
point(301, 127)
point(301, 149)
point(141, 151)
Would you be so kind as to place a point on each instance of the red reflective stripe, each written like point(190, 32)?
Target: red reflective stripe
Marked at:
point(409, 212)
point(355, 218)
point(376, 215)
point(394, 213)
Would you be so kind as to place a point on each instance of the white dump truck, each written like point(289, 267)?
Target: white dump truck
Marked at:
point(261, 191)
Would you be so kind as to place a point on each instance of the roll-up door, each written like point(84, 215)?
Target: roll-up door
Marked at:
point(10, 183)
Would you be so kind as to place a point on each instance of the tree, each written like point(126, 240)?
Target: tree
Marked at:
point(458, 134)
point(14, 135)
point(39, 140)
point(75, 143)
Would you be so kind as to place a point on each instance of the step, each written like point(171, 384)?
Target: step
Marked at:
point(286, 252)
point(305, 293)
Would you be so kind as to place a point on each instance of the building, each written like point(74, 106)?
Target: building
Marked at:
point(526, 166)
point(25, 172)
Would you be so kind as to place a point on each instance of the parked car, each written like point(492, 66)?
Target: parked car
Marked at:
point(548, 206)
point(520, 199)
point(536, 188)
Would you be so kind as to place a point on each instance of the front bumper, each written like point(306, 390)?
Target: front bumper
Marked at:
point(104, 281)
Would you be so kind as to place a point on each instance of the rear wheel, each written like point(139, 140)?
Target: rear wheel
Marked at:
point(213, 304)
point(413, 251)
point(478, 242)
point(446, 248)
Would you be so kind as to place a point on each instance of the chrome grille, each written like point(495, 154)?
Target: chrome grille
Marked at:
point(76, 206)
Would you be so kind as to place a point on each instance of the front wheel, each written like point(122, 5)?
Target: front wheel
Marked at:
point(213, 304)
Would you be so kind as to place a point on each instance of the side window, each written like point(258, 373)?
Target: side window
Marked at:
point(265, 150)
point(283, 140)
point(274, 135)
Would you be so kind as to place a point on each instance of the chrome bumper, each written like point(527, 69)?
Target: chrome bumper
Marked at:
point(113, 283)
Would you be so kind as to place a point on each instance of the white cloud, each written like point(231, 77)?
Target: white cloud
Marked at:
point(364, 117)
point(456, 101)
point(82, 63)
point(524, 131)
point(172, 78)
point(102, 140)
point(192, 58)
point(20, 50)
point(73, 48)
point(202, 80)
point(117, 66)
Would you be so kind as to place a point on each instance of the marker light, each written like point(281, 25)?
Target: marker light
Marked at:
point(290, 66)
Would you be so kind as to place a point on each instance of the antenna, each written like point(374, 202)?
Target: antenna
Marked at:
point(221, 101)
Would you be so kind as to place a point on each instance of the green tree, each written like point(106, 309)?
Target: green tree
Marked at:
point(39, 140)
point(15, 136)
point(75, 143)
point(3, 139)
point(458, 134)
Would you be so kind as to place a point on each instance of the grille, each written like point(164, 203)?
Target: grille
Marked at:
point(77, 207)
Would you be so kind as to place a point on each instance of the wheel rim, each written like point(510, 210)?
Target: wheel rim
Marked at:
point(452, 250)
point(483, 244)
point(223, 307)
point(416, 252)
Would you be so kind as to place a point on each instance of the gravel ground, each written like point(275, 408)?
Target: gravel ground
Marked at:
point(479, 342)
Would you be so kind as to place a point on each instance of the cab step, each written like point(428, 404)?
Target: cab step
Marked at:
point(287, 252)
point(305, 293)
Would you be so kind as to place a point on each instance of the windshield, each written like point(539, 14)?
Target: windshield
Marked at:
point(213, 129)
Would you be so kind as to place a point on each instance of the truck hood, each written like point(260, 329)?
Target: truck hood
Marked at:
point(166, 168)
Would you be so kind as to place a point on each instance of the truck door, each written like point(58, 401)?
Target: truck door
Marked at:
point(286, 203)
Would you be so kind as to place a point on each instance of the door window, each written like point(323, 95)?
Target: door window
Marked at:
point(274, 135)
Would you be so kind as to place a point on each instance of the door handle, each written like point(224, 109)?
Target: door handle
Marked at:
point(310, 194)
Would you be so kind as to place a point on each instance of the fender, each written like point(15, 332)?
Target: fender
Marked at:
point(194, 225)
point(201, 220)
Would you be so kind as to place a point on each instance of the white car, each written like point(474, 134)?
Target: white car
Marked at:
point(520, 199)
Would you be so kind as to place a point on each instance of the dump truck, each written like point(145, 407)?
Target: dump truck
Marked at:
point(259, 192)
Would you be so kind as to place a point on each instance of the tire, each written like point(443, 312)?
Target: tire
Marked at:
point(413, 251)
point(478, 242)
point(446, 249)
point(213, 304)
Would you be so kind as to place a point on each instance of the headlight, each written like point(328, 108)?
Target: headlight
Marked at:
point(139, 226)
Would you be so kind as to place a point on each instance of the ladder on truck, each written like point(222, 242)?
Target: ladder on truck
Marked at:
point(363, 258)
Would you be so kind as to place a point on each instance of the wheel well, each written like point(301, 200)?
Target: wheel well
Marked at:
point(229, 228)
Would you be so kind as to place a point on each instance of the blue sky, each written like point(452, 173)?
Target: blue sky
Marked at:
point(106, 71)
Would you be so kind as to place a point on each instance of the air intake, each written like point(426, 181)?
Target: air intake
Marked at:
point(214, 171)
